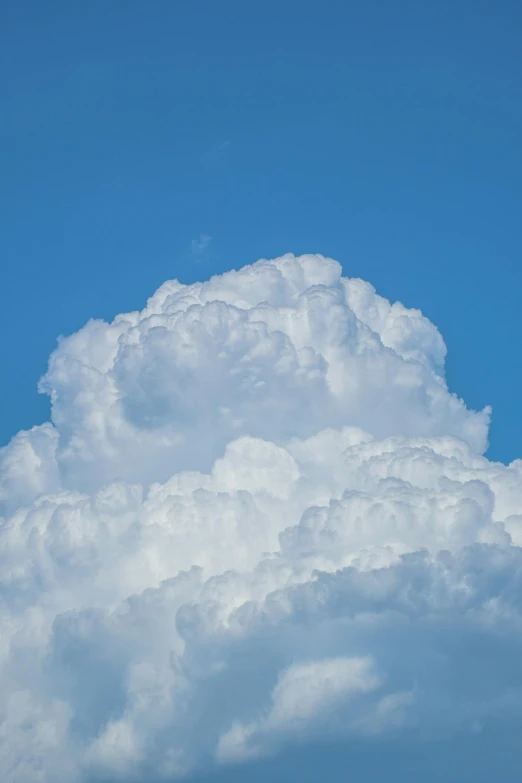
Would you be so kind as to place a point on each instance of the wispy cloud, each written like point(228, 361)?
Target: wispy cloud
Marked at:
point(200, 245)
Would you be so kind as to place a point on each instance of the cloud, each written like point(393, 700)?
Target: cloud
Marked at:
point(200, 245)
point(258, 518)
point(306, 696)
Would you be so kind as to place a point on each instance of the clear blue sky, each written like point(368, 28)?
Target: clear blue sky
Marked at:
point(386, 134)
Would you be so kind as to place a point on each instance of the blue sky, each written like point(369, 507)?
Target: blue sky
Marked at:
point(384, 134)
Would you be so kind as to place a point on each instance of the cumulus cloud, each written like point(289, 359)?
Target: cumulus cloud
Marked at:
point(258, 517)
point(306, 696)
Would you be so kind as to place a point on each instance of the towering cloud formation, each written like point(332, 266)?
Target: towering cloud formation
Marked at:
point(257, 517)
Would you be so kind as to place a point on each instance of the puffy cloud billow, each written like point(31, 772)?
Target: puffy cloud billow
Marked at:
point(258, 518)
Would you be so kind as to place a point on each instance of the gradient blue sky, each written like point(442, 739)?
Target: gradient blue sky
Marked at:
point(384, 134)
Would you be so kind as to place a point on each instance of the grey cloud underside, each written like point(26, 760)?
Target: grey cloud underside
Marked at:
point(258, 518)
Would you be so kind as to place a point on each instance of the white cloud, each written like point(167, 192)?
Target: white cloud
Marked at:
point(258, 516)
point(305, 697)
